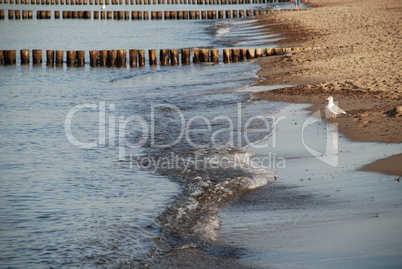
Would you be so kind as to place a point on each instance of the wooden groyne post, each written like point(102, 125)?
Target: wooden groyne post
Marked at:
point(24, 54)
point(164, 56)
point(118, 58)
point(37, 56)
point(133, 57)
point(152, 57)
point(174, 57)
point(10, 57)
point(50, 57)
point(185, 56)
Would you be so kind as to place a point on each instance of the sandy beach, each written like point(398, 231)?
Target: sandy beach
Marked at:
point(318, 215)
point(356, 60)
point(329, 208)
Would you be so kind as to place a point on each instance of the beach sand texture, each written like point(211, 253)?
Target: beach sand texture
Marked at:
point(364, 75)
point(315, 215)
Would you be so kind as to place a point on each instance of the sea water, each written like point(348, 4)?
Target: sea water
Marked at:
point(101, 167)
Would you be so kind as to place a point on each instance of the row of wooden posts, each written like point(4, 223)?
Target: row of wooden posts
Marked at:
point(118, 58)
point(133, 15)
point(137, 2)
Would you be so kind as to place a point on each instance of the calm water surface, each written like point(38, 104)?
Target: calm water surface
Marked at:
point(62, 205)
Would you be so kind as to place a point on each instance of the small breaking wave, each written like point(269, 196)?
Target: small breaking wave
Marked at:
point(212, 179)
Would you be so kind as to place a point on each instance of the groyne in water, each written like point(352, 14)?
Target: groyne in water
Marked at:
point(133, 15)
point(139, 2)
point(135, 57)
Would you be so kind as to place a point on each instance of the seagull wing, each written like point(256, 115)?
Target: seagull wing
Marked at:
point(336, 110)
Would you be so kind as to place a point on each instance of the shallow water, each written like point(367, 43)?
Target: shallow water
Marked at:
point(78, 186)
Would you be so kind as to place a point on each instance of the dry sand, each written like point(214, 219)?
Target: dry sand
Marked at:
point(359, 63)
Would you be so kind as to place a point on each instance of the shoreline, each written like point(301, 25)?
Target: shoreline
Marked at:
point(362, 75)
point(261, 227)
point(314, 215)
point(317, 215)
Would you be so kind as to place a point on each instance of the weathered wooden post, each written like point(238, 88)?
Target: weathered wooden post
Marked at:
point(11, 14)
point(94, 58)
point(10, 57)
point(96, 15)
point(1, 14)
point(141, 57)
point(185, 56)
point(192, 15)
point(259, 53)
point(133, 58)
point(112, 58)
point(17, 14)
point(146, 15)
point(196, 56)
point(204, 55)
point(1, 57)
point(134, 15)
point(80, 58)
point(126, 15)
point(164, 56)
point(215, 56)
point(166, 14)
point(220, 14)
point(153, 15)
point(103, 58)
point(37, 56)
point(24, 54)
point(250, 53)
point(235, 55)
point(103, 15)
point(50, 57)
point(59, 57)
point(228, 14)
point(109, 15)
point(243, 54)
point(30, 14)
point(71, 58)
point(226, 55)
point(121, 58)
point(174, 57)
point(203, 14)
point(152, 57)
point(87, 15)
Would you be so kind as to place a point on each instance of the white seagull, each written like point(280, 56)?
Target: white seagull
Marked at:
point(104, 6)
point(332, 109)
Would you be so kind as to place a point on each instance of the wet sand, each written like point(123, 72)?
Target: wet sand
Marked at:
point(358, 64)
point(321, 213)
point(318, 214)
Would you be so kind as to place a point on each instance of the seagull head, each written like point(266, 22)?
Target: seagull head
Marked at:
point(330, 98)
